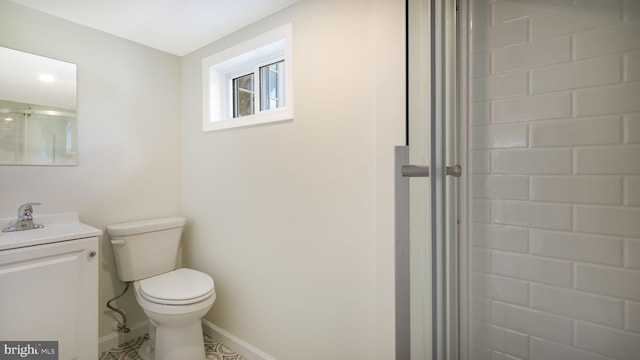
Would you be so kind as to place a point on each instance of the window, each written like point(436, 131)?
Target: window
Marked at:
point(266, 83)
point(250, 83)
point(243, 94)
point(272, 86)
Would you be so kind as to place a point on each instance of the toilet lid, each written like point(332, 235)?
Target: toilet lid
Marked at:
point(180, 286)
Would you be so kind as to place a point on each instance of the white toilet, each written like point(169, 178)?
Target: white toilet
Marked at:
point(175, 300)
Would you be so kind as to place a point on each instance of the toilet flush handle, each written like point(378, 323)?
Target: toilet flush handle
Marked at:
point(117, 242)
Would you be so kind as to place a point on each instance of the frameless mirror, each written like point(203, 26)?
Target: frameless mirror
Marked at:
point(38, 124)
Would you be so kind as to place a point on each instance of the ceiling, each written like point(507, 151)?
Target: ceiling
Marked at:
point(174, 26)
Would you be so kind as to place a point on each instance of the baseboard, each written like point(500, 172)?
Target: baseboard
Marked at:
point(240, 346)
point(115, 339)
point(250, 352)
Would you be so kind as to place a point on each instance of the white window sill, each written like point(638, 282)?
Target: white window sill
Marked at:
point(267, 117)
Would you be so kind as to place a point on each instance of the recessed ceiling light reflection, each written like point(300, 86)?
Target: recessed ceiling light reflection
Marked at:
point(46, 78)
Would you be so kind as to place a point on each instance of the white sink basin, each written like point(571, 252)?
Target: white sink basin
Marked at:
point(57, 227)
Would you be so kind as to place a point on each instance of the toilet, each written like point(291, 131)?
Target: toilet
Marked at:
point(174, 299)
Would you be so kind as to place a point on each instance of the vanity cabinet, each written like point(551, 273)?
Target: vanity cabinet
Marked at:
point(49, 292)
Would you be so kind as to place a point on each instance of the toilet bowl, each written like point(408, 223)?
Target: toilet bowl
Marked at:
point(175, 303)
point(174, 299)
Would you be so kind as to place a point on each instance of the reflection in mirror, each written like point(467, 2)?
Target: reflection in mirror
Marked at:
point(37, 110)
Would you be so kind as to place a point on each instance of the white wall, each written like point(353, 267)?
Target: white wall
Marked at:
point(295, 220)
point(555, 235)
point(128, 124)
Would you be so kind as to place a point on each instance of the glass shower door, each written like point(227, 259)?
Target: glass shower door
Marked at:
point(550, 265)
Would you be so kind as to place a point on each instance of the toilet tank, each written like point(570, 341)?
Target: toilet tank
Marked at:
point(146, 248)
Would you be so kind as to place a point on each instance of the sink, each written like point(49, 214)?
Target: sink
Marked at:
point(57, 228)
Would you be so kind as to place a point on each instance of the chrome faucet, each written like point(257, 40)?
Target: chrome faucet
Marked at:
point(25, 219)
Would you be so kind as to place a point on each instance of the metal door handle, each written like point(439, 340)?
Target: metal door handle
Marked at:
point(415, 171)
point(455, 170)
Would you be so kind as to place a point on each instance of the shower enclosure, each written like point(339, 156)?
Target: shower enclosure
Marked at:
point(534, 252)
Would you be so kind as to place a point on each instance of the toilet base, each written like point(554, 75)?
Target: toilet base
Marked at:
point(180, 343)
point(167, 343)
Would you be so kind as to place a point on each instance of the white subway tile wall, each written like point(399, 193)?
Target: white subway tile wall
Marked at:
point(532, 161)
point(576, 132)
point(548, 106)
point(632, 253)
point(585, 73)
point(632, 130)
point(532, 322)
point(554, 130)
point(631, 66)
point(507, 238)
point(577, 189)
point(633, 316)
point(544, 350)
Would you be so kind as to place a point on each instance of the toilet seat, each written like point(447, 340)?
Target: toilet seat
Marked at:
point(179, 287)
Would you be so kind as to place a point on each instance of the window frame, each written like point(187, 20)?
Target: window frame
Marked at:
point(221, 68)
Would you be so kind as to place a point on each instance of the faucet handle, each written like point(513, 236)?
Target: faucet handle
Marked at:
point(26, 209)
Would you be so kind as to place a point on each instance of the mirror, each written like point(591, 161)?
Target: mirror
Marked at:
point(38, 124)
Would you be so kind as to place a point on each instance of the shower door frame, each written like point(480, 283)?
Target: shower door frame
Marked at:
point(435, 208)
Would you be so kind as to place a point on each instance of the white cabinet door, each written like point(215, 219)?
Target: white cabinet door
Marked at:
point(50, 293)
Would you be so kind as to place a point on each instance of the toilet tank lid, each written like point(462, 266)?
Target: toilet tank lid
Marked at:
point(145, 226)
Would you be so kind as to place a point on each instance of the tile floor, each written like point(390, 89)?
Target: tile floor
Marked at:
point(214, 349)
